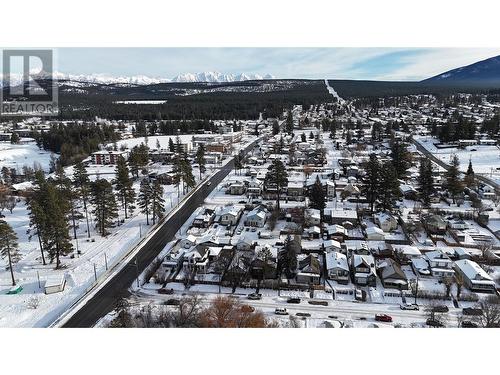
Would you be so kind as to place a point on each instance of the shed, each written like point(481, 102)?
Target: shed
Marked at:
point(55, 284)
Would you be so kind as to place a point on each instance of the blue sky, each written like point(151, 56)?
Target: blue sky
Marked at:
point(335, 63)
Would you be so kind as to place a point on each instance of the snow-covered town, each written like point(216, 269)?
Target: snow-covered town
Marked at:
point(347, 213)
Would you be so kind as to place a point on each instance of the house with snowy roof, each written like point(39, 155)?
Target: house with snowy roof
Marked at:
point(337, 267)
point(474, 277)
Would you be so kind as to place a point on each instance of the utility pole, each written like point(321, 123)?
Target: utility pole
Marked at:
point(38, 277)
point(137, 271)
point(95, 273)
point(106, 260)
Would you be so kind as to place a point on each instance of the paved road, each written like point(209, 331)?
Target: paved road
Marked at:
point(105, 299)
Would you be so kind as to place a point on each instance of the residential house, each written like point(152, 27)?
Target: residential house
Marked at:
point(237, 188)
point(309, 271)
point(391, 275)
point(385, 221)
point(440, 263)
point(230, 215)
point(256, 217)
point(474, 277)
point(363, 270)
point(337, 267)
point(375, 234)
point(434, 224)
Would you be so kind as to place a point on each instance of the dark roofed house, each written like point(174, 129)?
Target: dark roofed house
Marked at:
point(392, 275)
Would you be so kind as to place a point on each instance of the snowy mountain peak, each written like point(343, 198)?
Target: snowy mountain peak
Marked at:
point(218, 77)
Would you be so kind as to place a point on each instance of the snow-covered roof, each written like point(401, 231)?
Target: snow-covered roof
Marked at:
point(473, 271)
point(335, 259)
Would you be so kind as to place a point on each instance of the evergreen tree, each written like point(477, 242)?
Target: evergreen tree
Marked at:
point(38, 217)
point(400, 158)
point(157, 201)
point(289, 123)
point(57, 207)
point(9, 247)
point(389, 187)
point(317, 196)
point(277, 177)
point(105, 208)
point(371, 181)
point(144, 200)
point(171, 145)
point(425, 181)
point(469, 179)
point(123, 183)
point(453, 182)
point(81, 182)
point(187, 174)
point(287, 259)
point(303, 138)
point(276, 127)
point(200, 159)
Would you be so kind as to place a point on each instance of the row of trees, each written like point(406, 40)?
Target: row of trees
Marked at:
point(191, 312)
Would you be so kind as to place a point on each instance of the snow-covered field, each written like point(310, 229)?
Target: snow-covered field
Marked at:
point(485, 159)
point(17, 156)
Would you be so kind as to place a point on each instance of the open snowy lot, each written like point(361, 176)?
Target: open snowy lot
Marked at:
point(485, 158)
point(26, 154)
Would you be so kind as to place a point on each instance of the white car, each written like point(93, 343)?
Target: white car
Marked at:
point(281, 311)
point(408, 306)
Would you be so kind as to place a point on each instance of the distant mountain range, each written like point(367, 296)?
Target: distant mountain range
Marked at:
point(485, 72)
point(211, 77)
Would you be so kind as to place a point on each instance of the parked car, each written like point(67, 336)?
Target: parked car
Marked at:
point(383, 318)
point(472, 311)
point(360, 295)
point(441, 309)
point(409, 306)
point(468, 324)
point(293, 300)
point(433, 323)
point(304, 315)
point(254, 296)
point(173, 302)
point(281, 311)
point(165, 291)
point(321, 303)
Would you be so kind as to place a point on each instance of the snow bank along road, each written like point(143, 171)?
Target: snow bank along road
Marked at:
point(103, 301)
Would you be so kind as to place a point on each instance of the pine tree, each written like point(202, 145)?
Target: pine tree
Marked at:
point(157, 201)
point(453, 183)
point(105, 208)
point(200, 159)
point(277, 177)
point(289, 123)
point(317, 196)
point(276, 127)
point(171, 145)
point(81, 182)
point(125, 190)
point(426, 181)
point(9, 247)
point(144, 199)
point(400, 158)
point(389, 187)
point(287, 258)
point(37, 214)
point(57, 207)
point(187, 174)
point(469, 179)
point(371, 181)
point(303, 138)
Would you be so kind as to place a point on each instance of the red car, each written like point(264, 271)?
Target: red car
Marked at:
point(383, 318)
